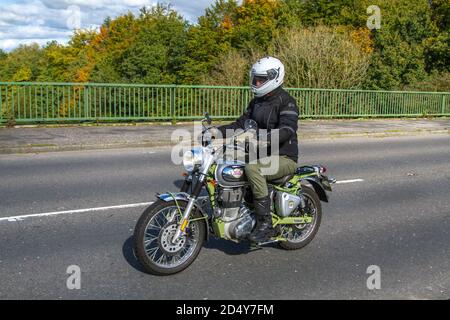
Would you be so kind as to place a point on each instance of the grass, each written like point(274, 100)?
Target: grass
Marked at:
point(37, 145)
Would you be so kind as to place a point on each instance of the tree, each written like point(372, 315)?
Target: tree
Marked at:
point(256, 24)
point(104, 55)
point(437, 52)
point(3, 55)
point(159, 46)
point(437, 47)
point(55, 64)
point(321, 57)
point(399, 59)
point(157, 54)
point(231, 70)
point(22, 64)
point(208, 40)
point(227, 26)
point(331, 13)
point(441, 14)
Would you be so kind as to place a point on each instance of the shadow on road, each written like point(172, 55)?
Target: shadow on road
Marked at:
point(128, 254)
point(231, 248)
point(227, 247)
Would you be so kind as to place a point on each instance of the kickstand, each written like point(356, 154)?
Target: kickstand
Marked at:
point(255, 247)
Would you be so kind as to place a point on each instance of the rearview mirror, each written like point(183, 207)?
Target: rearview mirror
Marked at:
point(208, 118)
point(250, 124)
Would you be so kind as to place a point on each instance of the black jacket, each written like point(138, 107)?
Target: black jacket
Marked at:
point(275, 111)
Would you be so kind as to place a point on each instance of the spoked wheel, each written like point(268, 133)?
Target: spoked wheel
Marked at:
point(299, 235)
point(154, 245)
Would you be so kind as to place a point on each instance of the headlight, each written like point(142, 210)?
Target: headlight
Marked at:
point(193, 158)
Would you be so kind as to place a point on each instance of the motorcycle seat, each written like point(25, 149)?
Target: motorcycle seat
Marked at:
point(282, 180)
point(305, 170)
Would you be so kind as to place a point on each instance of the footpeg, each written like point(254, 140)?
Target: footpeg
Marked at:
point(260, 244)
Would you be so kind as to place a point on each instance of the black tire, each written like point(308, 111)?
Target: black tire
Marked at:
point(139, 238)
point(312, 198)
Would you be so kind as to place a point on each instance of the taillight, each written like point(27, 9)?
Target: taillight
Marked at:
point(320, 169)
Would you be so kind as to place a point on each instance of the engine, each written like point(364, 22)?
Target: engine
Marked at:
point(232, 210)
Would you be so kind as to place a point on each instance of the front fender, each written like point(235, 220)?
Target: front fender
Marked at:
point(183, 196)
point(170, 196)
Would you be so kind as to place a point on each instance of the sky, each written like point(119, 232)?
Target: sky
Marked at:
point(28, 21)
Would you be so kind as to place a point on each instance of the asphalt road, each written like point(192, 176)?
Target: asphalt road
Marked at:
point(398, 219)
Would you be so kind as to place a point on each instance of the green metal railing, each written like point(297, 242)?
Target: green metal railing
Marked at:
point(22, 102)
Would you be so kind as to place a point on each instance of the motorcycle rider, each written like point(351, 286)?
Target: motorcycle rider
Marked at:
point(273, 109)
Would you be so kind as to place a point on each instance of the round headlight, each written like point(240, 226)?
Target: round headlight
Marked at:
point(192, 159)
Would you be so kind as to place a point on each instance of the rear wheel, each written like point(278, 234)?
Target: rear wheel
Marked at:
point(299, 235)
point(153, 239)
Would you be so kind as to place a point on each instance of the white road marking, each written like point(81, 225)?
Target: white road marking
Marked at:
point(47, 214)
point(132, 205)
point(349, 181)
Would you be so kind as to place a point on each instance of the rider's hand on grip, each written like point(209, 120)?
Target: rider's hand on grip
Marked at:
point(210, 134)
point(246, 136)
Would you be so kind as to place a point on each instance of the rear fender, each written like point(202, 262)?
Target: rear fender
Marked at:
point(318, 188)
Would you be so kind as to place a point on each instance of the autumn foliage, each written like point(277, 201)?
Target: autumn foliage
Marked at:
point(323, 44)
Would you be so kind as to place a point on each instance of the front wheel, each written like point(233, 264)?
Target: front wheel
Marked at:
point(299, 235)
point(153, 239)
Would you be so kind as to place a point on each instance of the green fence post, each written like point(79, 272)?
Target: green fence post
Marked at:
point(1, 107)
point(172, 105)
point(307, 95)
point(85, 102)
point(443, 104)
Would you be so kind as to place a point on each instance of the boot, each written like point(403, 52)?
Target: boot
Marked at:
point(263, 229)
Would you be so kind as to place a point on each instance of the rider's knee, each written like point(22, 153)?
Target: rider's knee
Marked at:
point(251, 169)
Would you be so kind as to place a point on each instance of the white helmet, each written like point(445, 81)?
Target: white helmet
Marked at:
point(269, 71)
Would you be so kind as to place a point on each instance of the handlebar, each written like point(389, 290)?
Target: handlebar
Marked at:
point(208, 142)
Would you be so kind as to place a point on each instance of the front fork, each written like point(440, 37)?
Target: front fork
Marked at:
point(185, 217)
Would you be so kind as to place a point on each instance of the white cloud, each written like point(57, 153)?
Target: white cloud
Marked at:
point(10, 44)
point(27, 21)
point(191, 10)
point(95, 4)
point(35, 32)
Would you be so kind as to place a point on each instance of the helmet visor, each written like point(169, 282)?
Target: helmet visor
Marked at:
point(259, 80)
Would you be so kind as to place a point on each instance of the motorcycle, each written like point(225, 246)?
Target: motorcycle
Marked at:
point(171, 232)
